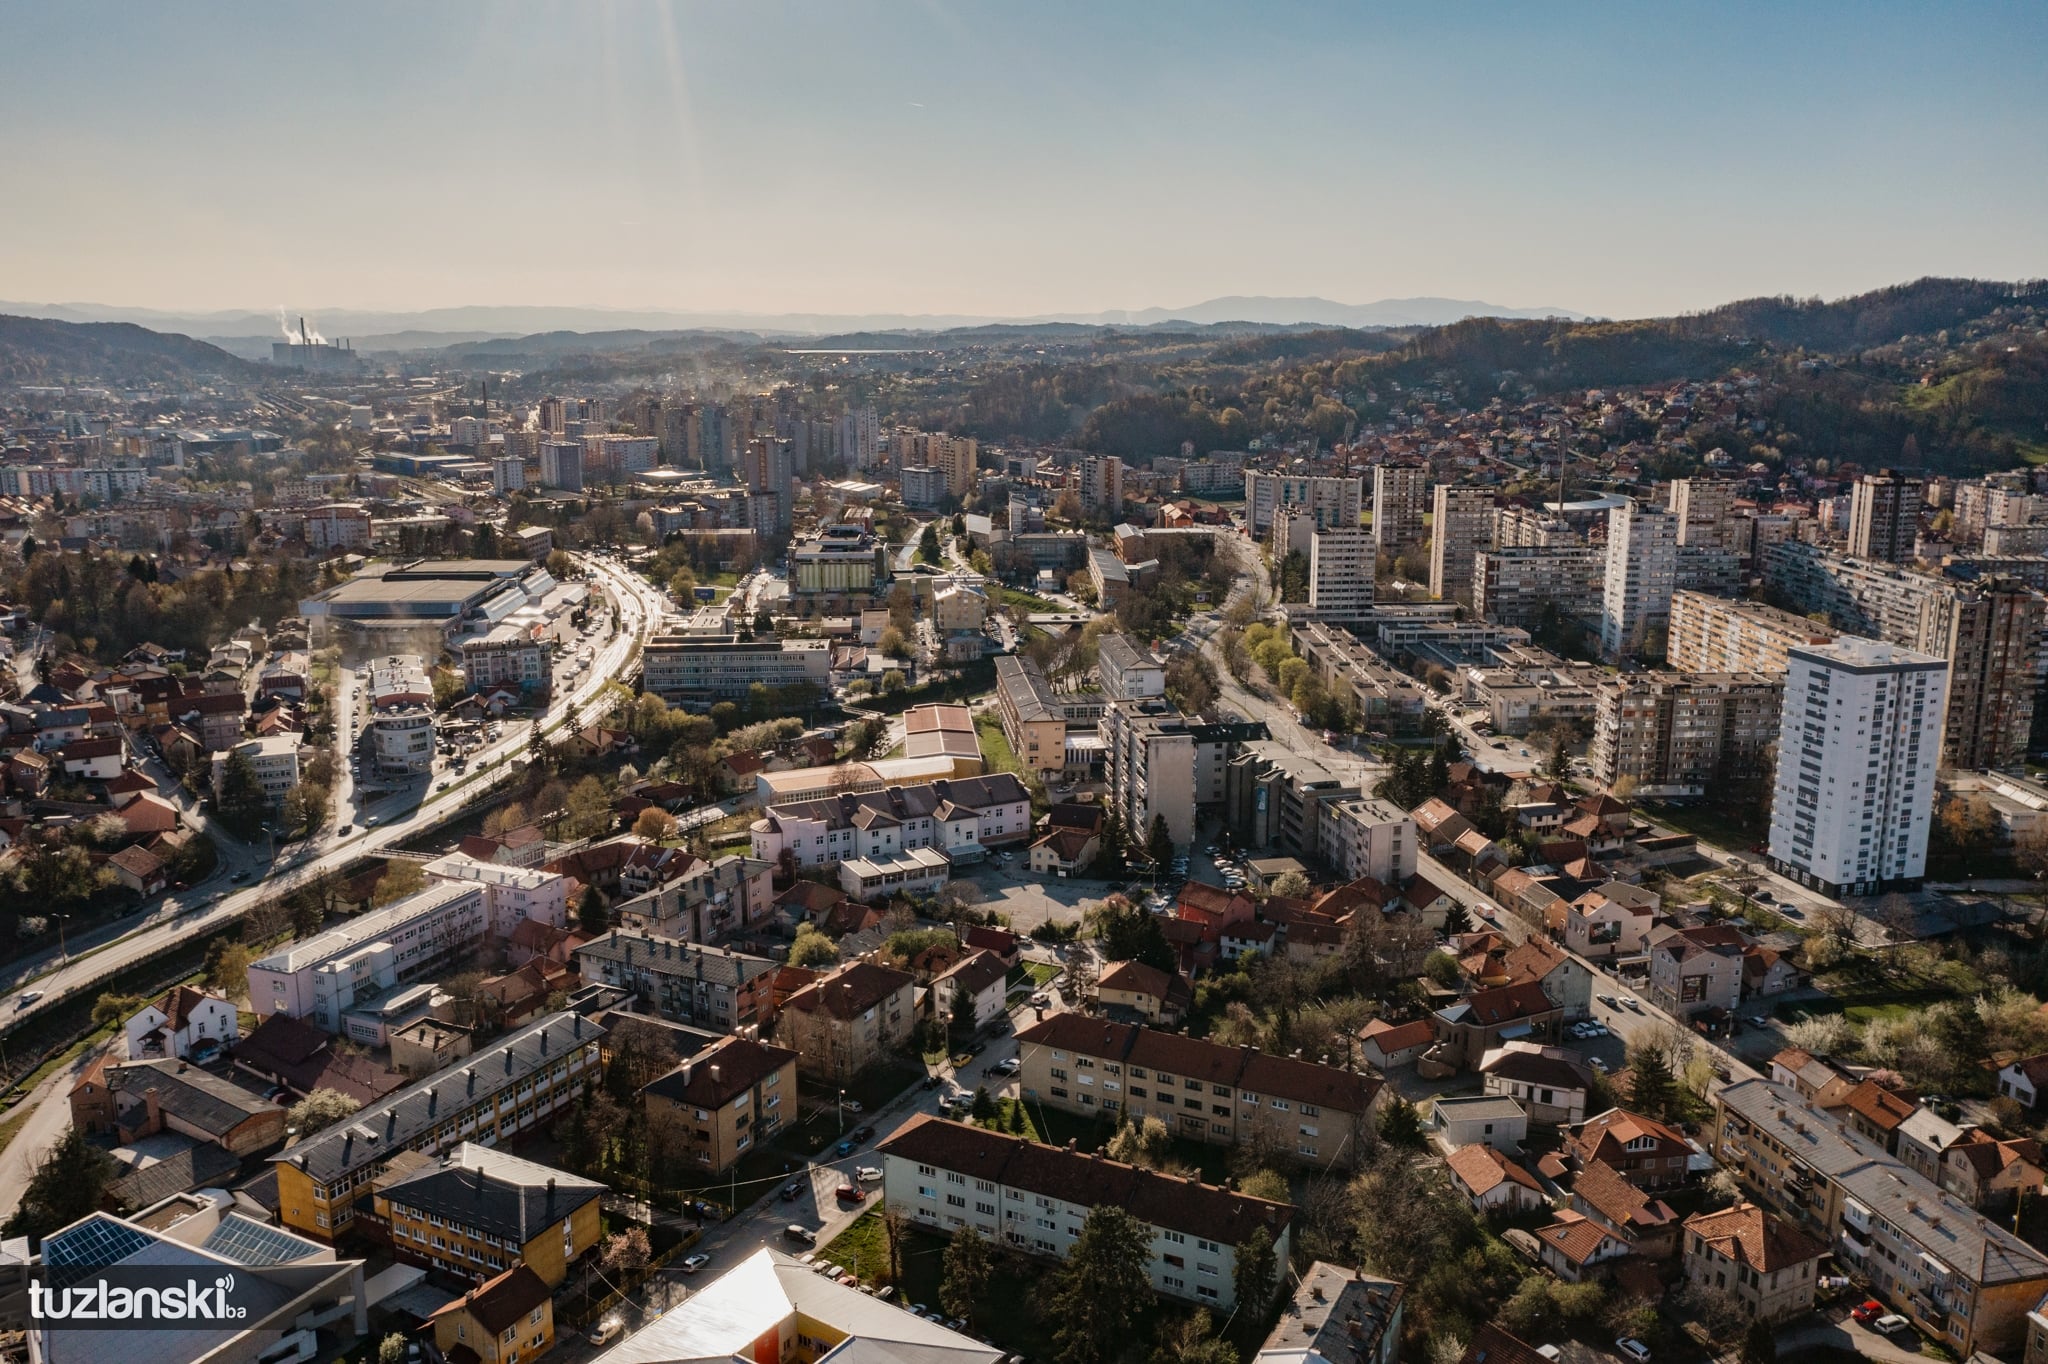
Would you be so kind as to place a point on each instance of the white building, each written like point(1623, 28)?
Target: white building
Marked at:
point(1365, 836)
point(511, 894)
point(170, 1027)
point(1342, 562)
point(1461, 525)
point(322, 977)
point(508, 656)
point(1331, 500)
point(1399, 495)
point(957, 817)
point(508, 474)
point(402, 740)
point(1858, 747)
point(1149, 764)
point(1129, 672)
point(1642, 573)
point(275, 758)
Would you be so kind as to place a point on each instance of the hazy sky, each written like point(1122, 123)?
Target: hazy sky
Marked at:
point(1012, 158)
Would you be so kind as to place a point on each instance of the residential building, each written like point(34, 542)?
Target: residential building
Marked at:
point(1693, 970)
point(185, 1017)
point(504, 1320)
point(958, 817)
point(1129, 671)
point(561, 465)
point(1647, 1153)
point(513, 895)
point(517, 1082)
point(1034, 1199)
point(508, 475)
point(725, 1101)
point(1035, 717)
point(713, 988)
point(771, 1306)
point(1331, 500)
point(507, 656)
point(923, 485)
point(1712, 634)
point(1461, 526)
point(1341, 566)
point(322, 977)
point(843, 1022)
point(1575, 1246)
point(1461, 1120)
point(1989, 630)
point(1202, 1091)
point(1858, 748)
point(1480, 1022)
point(1672, 733)
point(1705, 511)
point(1366, 836)
point(1337, 1316)
point(1400, 493)
point(1545, 1081)
point(1611, 920)
point(1131, 990)
point(1884, 515)
point(1149, 766)
point(1959, 1277)
point(703, 902)
point(1647, 1224)
point(1642, 573)
point(1767, 1265)
point(137, 1099)
point(978, 979)
point(476, 1212)
point(1522, 585)
point(1492, 1181)
point(1102, 486)
point(696, 670)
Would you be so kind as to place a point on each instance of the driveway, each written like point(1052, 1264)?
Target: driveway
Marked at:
point(1847, 1334)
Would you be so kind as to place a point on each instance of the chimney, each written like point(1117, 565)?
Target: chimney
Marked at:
point(156, 1112)
point(1073, 1143)
point(1353, 1329)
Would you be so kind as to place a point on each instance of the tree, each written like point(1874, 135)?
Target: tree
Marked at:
point(1759, 1343)
point(1270, 1185)
point(69, 1182)
point(893, 681)
point(812, 949)
point(402, 877)
point(591, 914)
point(1653, 1087)
point(962, 1010)
point(983, 1107)
point(391, 1349)
point(1106, 1281)
point(928, 547)
point(589, 807)
point(242, 801)
point(321, 1108)
point(1128, 933)
point(1254, 1275)
point(893, 644)
point(655, 824)
point(227, 968)
point(967, 1269)
point(1147, 1143)
point(1159, 842)
point(1457, 920)
point(1192, 1339)
point(1400, 1123)
point(625, 1251)
point(1290, 885)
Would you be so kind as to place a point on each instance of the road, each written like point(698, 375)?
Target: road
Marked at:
point(398, 816)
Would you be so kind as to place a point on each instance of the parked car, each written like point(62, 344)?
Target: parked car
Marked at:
point(801, 1234)
point(863, 1133)
point(850, 1193)
point(931, 1082)
point(1629, 1002)
point(1631, 1348)
point(847, 1147)
point(605, 1331)
point(1891, 1324)
point(792, 1191)
point(693, 1263)
point(1009, 1065)
point(206, 1053)
point(1867, 1311)
point(1607, 1000)
point(867, 1174)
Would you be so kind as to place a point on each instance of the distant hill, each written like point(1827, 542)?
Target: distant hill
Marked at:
point(37, 350)
point(1321, 312)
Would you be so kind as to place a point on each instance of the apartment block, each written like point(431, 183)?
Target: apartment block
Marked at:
point(1366, 836)
point(1676, 733)
point(1387, 698)
point(1273, 797)
point(1332, 500)
point(1858, 748)
point(1705, 510)
point(1521, 585)
point(1202, 1091)
point(476, 1212)
point(698, 670)
point(1884, 515)
point(1963, 1279)
point(1712, 634)
point(518, 1082)
point(1533, 528)
point(1149, 766)
point(561, 465)
point(322, 977)
point(1461, 526)
point(1034, 1199)
point(724, 1101)
point(1036, 717)
point(1342, 563)
point(1642, 573)
point(1989, 630)
point(1400, 495)
point(506, 657)
point(1129, 670)
point(845, 1021)
point(1102, 485)
point(712, 988)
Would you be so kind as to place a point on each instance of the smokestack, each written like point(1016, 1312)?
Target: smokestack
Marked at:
point(303, 338)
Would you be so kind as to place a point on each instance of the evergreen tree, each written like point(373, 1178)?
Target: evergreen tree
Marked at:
point(1759, 1343)
point(1159, 842)
point(242, 801)
point(1653, 1089)
point(591, 915)
point(967, 1268)
point(68, 1183)
point(1106, 1281)
point(1457, 920)
point(1253, 1275)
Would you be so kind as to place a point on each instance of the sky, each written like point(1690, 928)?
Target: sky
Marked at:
point(1012, 159)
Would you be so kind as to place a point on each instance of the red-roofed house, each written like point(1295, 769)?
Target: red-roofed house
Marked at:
point(1493, 1182)
point(1648, 1224)
point(1769, 1266)
point(1650, 1154)
point(1387, 1045)
point(1575, 1246)
point(1481, 1021)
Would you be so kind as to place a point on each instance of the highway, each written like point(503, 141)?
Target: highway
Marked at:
point(94, 956)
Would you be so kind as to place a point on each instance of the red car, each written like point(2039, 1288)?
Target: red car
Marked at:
point(1869, 1311)
point(850, 1193)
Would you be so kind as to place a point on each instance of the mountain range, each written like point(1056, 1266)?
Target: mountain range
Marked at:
point(249, 333)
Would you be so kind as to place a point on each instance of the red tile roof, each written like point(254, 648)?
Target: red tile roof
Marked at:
point(1749, 1236)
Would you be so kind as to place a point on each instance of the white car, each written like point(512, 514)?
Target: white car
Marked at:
point(1631, 1348)
point(867, 1174)
point(1629, 1002)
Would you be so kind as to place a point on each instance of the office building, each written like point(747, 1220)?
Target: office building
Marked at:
point(838, 559)
point(1317, 1115)
point(1460, 527)
point(1329, 499)
point(1642, 573)
point(1523, 585)
point(698, 670)
point(561, 465)
point(1149, 766)
point(1273, 794)
point(361, 959)
point(518, 1082)
point(1712, 634)
point(1884, 515)
point(1673, 733)
point(1342, 562)
point(1858, 748)
point(275, 759)
point(1036, 717)
point(1400, 494)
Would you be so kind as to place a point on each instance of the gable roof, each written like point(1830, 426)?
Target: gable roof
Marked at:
point(499, 1303)
point(1576, 1237)
point(1481, 1169)
point(720, 1073)
point(1608, 1192)
point(1617, 1127)
point(1749, 1236)
point(193, 1096)
point(501, 1195)
point(850, 991)
point(1878, 1106)
point(1193, 1058)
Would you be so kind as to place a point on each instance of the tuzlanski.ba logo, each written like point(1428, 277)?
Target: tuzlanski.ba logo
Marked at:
point(98, 1302)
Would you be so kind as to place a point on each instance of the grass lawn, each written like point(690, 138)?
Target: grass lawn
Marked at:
point(1042, 973)
point(995, 747)
point(1027, 601)
point(1708, 824)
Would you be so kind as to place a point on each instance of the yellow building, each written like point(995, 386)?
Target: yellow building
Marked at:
point(725, 1100)
point(477, 1212)
point(520, 1081)
point(509, 1320)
